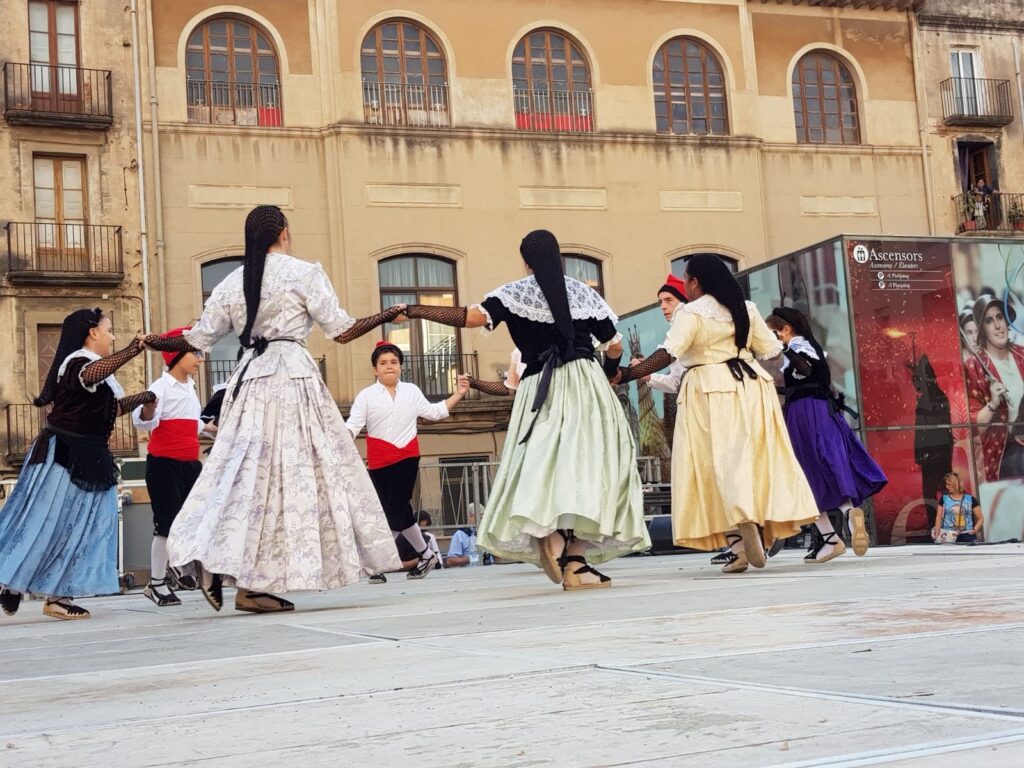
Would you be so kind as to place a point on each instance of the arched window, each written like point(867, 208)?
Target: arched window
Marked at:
point(824, 101)
point(220, 362)
point(551, 84)
point(679, 264)
point(232, 74)
point(405, 76)
point(689, 89)
point(432, 359)
point(584, 269)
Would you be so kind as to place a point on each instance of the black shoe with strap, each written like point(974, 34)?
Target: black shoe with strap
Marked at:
point(214, 593)
point(726, 556)
point(378, 578)
point(9, 601)
point(162, 599)
point(425, 565)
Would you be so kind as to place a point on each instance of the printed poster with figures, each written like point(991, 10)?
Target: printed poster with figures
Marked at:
point(911, 376)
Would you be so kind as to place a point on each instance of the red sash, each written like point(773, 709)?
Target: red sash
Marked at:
point(176, 439)
point(381, 453)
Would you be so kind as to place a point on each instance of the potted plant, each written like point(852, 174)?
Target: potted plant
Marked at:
point(1016, 216)
point(967, 222)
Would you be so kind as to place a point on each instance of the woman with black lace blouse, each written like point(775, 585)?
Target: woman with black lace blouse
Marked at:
point(58, 530)
point(567, 493)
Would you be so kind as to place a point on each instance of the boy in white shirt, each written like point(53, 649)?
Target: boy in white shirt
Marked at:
point(172, 464)
point(388, 410)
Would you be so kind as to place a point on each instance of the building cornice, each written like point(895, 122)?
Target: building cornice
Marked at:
point(968, 24)
point(874, 5)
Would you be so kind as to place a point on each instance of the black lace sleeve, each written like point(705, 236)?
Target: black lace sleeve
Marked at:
point(98, 370)
point(366, 324)
point(496, 388)
point(453, 316)
point(175, 344)
point(660, 359)
point(130, 403)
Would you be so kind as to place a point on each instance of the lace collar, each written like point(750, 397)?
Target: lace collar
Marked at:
point(92, 357)
point(707, 306)
point(523, 298)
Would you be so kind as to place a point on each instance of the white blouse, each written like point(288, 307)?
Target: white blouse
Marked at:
point(174, 400)
point(295, 295)
point(392, 419)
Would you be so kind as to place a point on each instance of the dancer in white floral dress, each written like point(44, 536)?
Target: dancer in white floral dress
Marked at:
point(284, 502)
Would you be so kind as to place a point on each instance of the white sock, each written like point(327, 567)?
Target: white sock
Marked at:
point(823, 524)
point(158, 558)
point(414, 535)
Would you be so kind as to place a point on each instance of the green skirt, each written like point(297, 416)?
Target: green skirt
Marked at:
point(578, 470)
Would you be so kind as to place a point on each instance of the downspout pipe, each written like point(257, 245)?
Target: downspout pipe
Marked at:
point(1020, 82)
point(158, 192)
point(147, 324)
point(922, 118)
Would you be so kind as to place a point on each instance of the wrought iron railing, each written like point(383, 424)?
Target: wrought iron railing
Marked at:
point(554, 111)
point(222, 102)
point(24, 421)
point(51, 94)
point(976, 101)
point(993, 212)
point(446, 489)
point(61, 248)
point(436, 374)
point(405, 104)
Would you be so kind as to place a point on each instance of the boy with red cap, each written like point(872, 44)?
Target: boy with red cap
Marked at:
point(172, 465)
point(388, 410)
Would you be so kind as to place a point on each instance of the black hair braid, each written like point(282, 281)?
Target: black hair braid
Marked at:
point(263, 226)
point(73, 333)
point(716, 280)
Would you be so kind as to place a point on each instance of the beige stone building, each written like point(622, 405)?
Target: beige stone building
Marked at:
point(69, 207)
point(413, 145)
point(970, 62)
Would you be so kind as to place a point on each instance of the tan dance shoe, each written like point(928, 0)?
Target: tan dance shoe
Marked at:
point(261, 602)
point(552, 549)
point(858, 532)
point(838, 548)
point(572, 580)
point(753, 547)
point(62, 608)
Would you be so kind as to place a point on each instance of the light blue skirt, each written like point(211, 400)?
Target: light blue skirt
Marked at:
point(55, 538)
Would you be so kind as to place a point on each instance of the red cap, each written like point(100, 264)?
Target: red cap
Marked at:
point(383, 343)
point(675, 286)
point(174, 333)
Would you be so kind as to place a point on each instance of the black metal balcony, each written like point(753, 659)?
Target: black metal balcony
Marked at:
point(994, 212)
point(223, 102)
point(54, 252)
point(435, 374)
point(56, 96)
point(976, 101)
point(24, 421)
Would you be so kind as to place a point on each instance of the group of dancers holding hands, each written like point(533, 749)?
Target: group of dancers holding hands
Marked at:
point(285, 503)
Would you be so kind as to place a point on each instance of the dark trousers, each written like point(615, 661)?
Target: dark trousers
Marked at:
point(169, 482)
point(394, 485)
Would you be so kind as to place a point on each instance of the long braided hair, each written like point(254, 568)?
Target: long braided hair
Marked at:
point(73, 333)
point(542, 254)
point(716, 279)
point(263, 226)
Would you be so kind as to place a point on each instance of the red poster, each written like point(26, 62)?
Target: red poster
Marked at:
point(911, 371)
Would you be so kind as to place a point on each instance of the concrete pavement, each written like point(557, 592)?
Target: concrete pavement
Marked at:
point(910, 656)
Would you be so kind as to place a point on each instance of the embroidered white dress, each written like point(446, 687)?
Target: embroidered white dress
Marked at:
point(284, 502)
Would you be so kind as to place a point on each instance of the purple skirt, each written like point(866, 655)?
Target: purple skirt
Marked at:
point(836, 464)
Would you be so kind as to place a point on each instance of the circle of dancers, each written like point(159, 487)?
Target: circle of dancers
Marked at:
point(285, 503)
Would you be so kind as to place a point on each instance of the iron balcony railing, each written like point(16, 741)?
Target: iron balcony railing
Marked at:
point(993, 212)
point(976, 101)
point(48, 251)
point(554, 111)
point(222, 102)
point(217, 371)
point(405, 104)
point(24, 421)
point(436, 374)
point(58, 96)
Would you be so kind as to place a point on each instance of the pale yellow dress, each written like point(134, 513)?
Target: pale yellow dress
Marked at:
point(732, 461)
